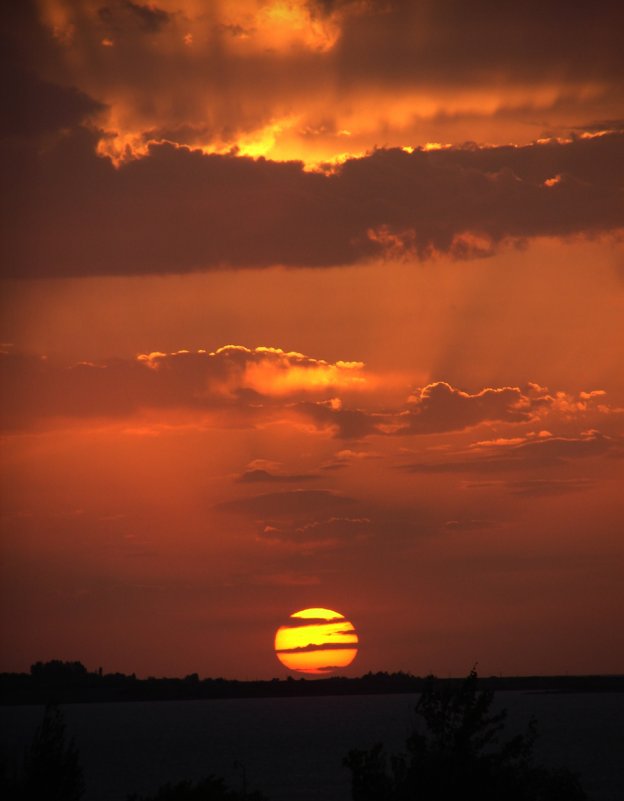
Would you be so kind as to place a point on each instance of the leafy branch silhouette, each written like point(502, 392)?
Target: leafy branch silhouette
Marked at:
point(458, 754)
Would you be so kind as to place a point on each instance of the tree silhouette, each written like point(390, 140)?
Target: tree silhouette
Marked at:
point(51, 765)
point(459, 755)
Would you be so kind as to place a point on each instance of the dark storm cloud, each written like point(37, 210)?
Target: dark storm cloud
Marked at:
point(68, 212)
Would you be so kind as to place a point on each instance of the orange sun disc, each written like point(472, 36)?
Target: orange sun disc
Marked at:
point(317, 641)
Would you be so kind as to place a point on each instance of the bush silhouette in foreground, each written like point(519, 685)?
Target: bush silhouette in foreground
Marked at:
point(209, 789)
point(459, 756)
point(51, 769)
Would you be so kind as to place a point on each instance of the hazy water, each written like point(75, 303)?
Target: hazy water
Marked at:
point(292, 749)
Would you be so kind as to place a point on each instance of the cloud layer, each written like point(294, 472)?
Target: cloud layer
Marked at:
point(526, 452)
point(255, 386)
point(177, 210)
point(180, 203)
point(328, 77)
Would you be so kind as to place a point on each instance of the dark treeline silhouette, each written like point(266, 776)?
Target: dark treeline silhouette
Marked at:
point(457, 752)
point(70, 682)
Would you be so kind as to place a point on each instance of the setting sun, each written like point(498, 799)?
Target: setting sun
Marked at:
point(316, 641)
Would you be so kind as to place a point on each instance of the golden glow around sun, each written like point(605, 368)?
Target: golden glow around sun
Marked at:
point(316, 641)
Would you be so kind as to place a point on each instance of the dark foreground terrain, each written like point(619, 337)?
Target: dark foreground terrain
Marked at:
point(459, 746)
point(369, 747)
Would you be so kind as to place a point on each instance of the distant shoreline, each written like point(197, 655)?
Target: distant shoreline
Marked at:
point(71, 683)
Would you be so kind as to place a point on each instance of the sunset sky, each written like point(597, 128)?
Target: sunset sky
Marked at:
point(313, 304)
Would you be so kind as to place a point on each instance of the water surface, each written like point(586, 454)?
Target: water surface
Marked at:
point(292, 748)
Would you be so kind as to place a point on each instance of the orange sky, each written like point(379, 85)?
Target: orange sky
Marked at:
point(312, 304)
